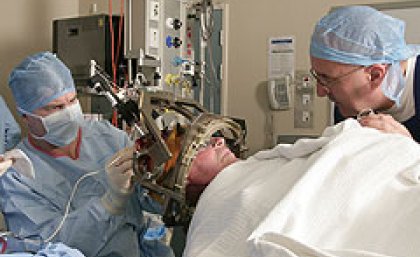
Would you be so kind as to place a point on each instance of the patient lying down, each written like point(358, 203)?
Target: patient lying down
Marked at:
point(352, 192)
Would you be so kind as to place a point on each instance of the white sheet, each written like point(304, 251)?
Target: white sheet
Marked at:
point(353, 192)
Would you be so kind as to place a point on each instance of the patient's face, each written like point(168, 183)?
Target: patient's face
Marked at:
point(210, 161)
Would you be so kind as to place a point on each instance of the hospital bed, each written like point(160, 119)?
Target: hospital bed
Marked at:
point(351, 192)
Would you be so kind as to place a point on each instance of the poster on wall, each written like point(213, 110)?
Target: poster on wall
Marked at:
point(281, 57)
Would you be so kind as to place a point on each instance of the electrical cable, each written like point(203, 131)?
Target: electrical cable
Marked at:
point(114, 70)
point(111, 31)
point(67, 210)
point(3, 244)
point(207, 29)
point(60, 225)
point(120, 31)
point(211, 61)
point(207, 21)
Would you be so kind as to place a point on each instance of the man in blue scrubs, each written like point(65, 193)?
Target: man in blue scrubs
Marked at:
point(82, 194)
point(12, 246)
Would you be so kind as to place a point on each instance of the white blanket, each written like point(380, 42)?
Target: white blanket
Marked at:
point(352, 192)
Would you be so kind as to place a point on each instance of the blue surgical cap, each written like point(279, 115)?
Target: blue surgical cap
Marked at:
point(38, 80)
point(360, 35)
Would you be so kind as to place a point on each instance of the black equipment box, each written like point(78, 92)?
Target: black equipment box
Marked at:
point(78, 40)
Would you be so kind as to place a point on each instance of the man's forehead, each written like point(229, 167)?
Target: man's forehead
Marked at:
point(327, 67)
point(327, 63)
point(59, 101)
point(62, 99)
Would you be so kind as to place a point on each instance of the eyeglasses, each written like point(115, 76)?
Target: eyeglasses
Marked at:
point(329, 82)
point(211, 142)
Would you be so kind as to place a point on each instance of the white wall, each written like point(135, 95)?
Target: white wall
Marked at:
point(26, 28)
point(101, 6)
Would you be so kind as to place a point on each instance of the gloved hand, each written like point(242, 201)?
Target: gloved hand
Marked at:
point(19, 161)
point(4, 165)
point(119, 171)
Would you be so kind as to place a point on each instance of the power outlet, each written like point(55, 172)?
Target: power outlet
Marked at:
point(154, 38)
point(306, 117)
point(303, 119)
point(306, 99)
point(154, 10)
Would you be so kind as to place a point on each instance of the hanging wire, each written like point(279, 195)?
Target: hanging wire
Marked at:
point(60, 224)
point(111, 31)
point(206, 29)
point(67, 210)
point(3, 244)
point(211, 61)
point(120, 28)
point(207, 20)
point(114, 119)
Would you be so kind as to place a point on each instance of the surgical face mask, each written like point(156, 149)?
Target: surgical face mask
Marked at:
point(62, 126)
point(393, 84)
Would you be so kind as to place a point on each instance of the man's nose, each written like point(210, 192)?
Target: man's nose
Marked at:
point(219, 141)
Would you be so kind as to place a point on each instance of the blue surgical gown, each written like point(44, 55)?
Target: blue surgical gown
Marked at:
point(9, 129)
point(50, 250)
point(36, 207)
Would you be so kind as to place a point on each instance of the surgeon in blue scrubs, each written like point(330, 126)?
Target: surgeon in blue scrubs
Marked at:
point(82, 194)
point(9, 129)
point(11, 246)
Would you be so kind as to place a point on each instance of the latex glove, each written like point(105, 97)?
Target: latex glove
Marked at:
point(119, 171)
point(58, 250)
point(4, 165)
point(20, 162)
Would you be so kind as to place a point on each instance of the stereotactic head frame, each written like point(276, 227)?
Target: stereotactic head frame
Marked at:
point(171, 184)
point(199, 134)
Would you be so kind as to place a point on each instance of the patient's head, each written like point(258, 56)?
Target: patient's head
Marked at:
point(209, 161)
